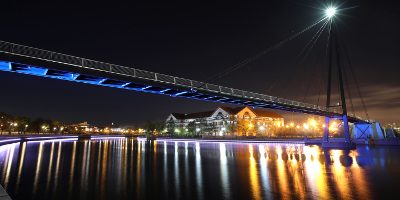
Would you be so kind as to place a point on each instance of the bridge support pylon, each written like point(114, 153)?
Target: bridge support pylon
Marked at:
point(346, 144)
point(326, 131)
point(346, 129)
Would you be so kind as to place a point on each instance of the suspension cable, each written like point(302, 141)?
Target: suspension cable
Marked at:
point(326, 55)
point(223, 73)
point(338, 88)
point(354, 76)
point(291, 64)
point(320, 31)
point(312, 75)
point(345, 79)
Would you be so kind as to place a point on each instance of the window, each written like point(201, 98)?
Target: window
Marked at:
point(220, 115)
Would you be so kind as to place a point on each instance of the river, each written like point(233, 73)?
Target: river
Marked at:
point(128, 168)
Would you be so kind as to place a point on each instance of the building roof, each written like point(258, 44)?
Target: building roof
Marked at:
point(264, 113)
point(229, 110)
point(193, 115)
point(238, 109)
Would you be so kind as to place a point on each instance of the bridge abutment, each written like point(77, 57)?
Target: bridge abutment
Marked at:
point(364, 131)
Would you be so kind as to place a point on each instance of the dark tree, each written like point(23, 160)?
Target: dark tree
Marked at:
point(191, 128)
point(36, 126)
point(171, 126)
point(22, 123)
point(159, 126)
point(149, 127)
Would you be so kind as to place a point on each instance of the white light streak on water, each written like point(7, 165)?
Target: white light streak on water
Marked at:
point(166, 187)
point(50, 166)
point(9, 164)
point(224, 171)
point(199, 172)
point(176, 172)
point(71, 173)
point(21, 164)
point(186, 168)
point(57, 167)
point(38, 168)
point(266, 185)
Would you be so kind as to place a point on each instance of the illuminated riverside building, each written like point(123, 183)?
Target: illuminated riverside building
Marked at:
point(81, 127)
point(242, 121)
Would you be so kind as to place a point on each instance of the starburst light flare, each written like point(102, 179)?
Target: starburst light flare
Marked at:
point(330, 12)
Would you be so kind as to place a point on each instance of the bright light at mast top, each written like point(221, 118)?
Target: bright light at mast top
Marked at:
point(330, 12)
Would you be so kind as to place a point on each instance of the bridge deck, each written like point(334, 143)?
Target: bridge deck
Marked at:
point(33, 61)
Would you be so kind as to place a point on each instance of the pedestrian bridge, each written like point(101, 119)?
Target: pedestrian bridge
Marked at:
point(28, 60)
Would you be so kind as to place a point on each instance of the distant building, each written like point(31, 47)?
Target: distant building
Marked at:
point(81, 127)
point(224, 117)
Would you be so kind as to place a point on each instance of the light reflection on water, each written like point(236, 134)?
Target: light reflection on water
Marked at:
point(130, 168)
point(224, 172)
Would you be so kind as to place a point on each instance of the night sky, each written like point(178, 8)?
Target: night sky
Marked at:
point(196, 40)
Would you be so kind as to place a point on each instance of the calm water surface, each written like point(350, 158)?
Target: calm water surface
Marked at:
point(136, 169)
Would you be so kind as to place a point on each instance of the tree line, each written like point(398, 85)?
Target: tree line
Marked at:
point(22, 125)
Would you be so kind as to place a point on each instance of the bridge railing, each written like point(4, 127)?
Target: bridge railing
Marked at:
point(21, 50)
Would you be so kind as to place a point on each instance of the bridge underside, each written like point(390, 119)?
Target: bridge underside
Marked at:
point(32, 66)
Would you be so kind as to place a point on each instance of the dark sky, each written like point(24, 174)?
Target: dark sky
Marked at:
point(195, 40)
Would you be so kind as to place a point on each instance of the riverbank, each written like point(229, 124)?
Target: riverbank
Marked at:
point(4, 139)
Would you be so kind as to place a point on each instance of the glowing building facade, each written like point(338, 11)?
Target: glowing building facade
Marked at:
point(229, 121)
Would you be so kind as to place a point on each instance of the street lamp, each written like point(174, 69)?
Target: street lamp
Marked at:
point(330, 12)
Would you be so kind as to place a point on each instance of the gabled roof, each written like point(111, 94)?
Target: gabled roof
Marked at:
point(229, 110)
point(232, 111)
point(264, 113)
point(178, 115)
point(238, 109)
point(193, 115)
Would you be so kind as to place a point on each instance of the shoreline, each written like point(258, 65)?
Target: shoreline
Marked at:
point(5, 139)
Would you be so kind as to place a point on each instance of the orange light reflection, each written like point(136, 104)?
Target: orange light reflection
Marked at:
point(255, 185)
